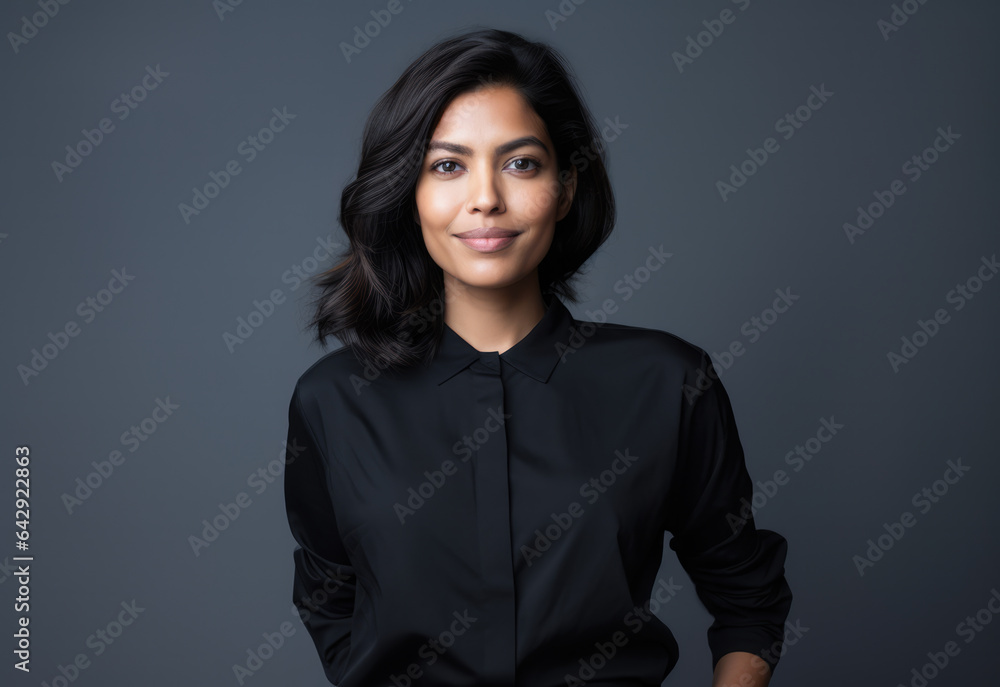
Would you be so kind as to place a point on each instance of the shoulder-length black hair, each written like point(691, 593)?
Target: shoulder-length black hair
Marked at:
point(385, 297)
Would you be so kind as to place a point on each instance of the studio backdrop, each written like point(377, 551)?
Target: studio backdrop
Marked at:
point(805, 189)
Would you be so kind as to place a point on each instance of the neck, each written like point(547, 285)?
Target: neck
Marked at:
point(493, 319)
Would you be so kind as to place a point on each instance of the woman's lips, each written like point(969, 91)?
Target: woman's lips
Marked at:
point(488, 245)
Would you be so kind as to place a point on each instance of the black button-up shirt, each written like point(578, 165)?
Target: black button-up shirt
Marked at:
point(499, 518)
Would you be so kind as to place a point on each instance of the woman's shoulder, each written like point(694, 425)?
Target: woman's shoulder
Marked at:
point(636, 342)
point(329, 371)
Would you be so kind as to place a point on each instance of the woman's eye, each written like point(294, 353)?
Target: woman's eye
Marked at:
point(524, 161)
point(437, 167)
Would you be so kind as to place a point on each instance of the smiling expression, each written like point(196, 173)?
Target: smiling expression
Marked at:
point(488, 196)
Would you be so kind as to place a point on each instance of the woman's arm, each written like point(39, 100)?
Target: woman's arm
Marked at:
point(324, 584)
point(737, 570)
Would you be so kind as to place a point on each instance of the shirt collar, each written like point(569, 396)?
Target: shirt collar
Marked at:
point(535, 355)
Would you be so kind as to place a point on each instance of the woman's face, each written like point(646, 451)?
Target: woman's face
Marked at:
point(490, 165)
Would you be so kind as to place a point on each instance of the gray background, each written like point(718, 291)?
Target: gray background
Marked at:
point(162, 336)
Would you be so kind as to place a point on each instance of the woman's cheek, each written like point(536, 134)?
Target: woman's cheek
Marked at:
point(541, 200)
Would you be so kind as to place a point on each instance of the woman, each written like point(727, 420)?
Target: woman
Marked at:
point(480, 484)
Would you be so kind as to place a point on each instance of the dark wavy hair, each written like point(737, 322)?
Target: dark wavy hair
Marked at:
point(385, 296)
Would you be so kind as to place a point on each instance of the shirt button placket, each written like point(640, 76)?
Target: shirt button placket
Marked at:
point(493, 525)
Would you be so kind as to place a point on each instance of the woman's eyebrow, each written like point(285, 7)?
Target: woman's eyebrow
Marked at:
point(501, 149)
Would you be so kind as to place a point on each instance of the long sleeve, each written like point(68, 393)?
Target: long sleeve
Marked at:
point(324, 581)
point(737, 570)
